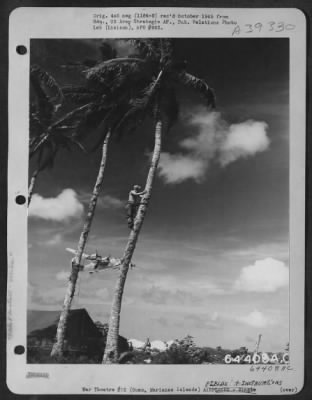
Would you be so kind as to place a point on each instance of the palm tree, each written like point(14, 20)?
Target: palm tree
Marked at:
point(158, 99)
point(57, 349)
point(93, 110)
point(48, 132)
point(103, 105)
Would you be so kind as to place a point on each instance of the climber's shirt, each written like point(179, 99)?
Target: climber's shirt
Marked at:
point(134, 197)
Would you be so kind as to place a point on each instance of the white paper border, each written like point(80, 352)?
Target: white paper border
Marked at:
point(43, 22)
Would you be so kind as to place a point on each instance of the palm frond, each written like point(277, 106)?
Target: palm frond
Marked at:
point(44, 106)
point(68, 89)
point(120, 80)
point(148, 48)
point(88, 123)
point(82, 65)
point(167, 46)
point(106, 51)
point(149, 92)
point(152, 88)
point(38, 143)
point(79, 145)
point(35, 125)
point(155, 50)
point(47, 82)
point(112, 65)
point(66, 128)
point(98, 124)
point(52, 141)
point(138, 108)
point(80, 94)
point(166, 49)
point(199, 85)
point(56, 132)
point(72, 116)
point(133, 116)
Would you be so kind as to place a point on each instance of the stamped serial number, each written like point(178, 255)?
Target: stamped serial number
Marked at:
point(271, 26)
point(257, 358)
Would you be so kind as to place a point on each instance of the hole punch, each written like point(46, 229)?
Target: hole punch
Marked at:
point(21, 50)
point(19, 349)
point(20, 199)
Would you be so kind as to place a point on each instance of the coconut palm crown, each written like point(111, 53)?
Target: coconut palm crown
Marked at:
point(151, 74)
point(48, 131)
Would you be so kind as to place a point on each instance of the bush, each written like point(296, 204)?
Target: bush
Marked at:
point(184, 352)
point(42, 356)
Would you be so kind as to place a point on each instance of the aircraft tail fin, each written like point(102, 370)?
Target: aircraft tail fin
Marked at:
point(83, 255)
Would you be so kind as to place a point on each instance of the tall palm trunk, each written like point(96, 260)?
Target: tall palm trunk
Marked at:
point(32, 185)
point(111, 349)
point(57, 350)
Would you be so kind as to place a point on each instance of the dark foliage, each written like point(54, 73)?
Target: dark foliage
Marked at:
point(124, 91)
point(43, 356)
point(48, 133)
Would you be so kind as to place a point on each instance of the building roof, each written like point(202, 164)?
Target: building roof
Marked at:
point(45, 322)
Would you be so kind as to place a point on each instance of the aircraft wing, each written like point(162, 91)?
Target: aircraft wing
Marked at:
point(89, 267)
point(84, 255)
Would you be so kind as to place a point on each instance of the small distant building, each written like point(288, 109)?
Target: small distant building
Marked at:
point(147, 345)
point(158, 345)
point(136, 344)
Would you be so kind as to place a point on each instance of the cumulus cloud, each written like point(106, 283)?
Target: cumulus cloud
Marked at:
point(103, 202)
point(255, 319)
point(267, 275)
point(212, 140)
point(175, 168)
point(54, 240)
point(108, 201)
point(244, 140)
point(61, 208)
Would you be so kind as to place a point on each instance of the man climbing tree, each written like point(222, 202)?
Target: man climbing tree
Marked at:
point(134, 201)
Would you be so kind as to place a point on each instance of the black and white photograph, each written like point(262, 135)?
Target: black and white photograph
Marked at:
point(180, 248)
point(159, 205)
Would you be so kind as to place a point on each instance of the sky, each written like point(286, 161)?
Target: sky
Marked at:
point(212, 256)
